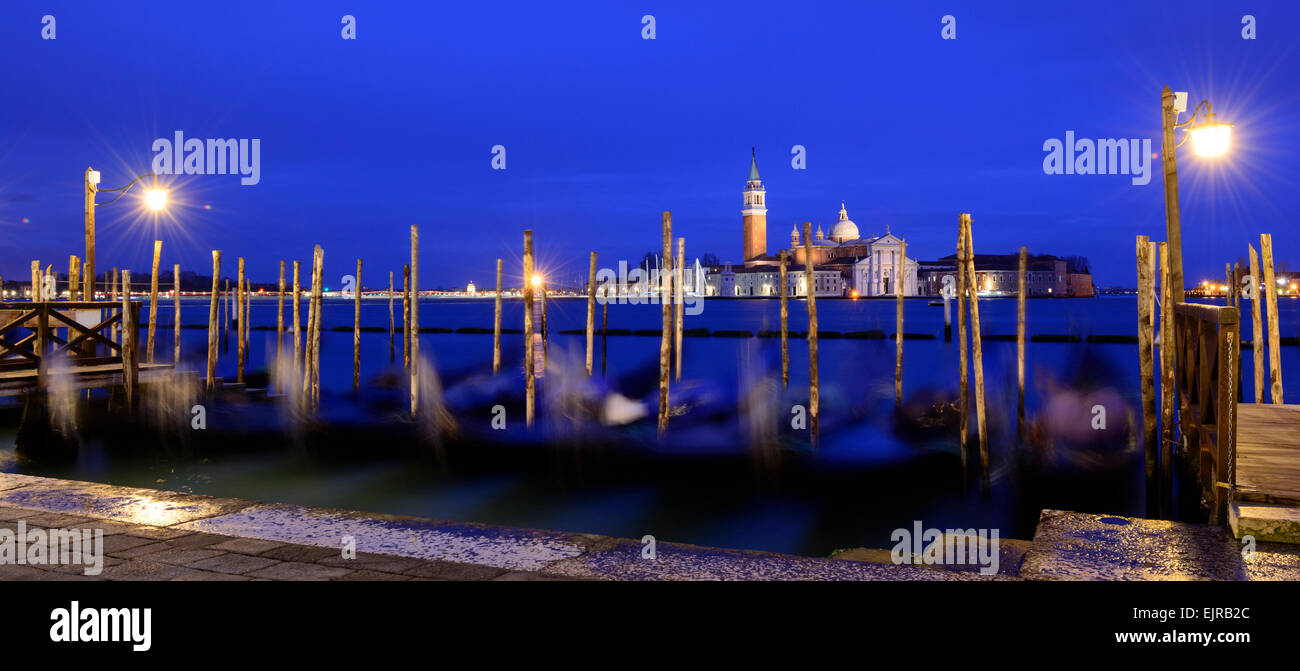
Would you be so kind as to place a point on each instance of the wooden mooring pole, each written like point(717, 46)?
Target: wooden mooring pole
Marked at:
point(1274, 337)
point(810, 292)
point(392, 324)
point(74, 280)
point(406, 315)
point(225, 319)
point(115, 331)
point(591, 311)
point(356, 331)
point(665, 300)
point(415, 320)
point(604, 331)
point(963, 390)
point(393, 347)
point(679, 294)
point(545, 330)
point(213, 318)
point(240, 320)
point(318, 292)
point(1023, 277)
point(530, 345)
point(977, 348)
point(785, 325)
point(496, 324)
point(1168, 351)
point(297, 323)
point(176, 314)
point(900, 286)
point(1146, 352)
point(1257, 325)
point(130, 336)
point(247, 324)
point(279, 315)
point(305, 390)
point(153, 300)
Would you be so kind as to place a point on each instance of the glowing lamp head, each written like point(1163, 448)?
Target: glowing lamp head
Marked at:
point(155, 199)
point(1211, 139)
point(537, 281)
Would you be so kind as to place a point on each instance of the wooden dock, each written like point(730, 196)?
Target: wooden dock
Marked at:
point(1268, 453)
point(24, 381)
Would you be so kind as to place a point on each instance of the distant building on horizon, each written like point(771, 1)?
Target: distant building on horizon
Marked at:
point(847, 264)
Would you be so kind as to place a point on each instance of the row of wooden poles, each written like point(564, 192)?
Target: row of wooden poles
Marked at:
point(671, 294)
point(220, 313)
point(671, 284)
point(116, 291)
point(1158, 425)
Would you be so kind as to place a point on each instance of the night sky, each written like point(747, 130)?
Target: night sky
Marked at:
point(603, 130)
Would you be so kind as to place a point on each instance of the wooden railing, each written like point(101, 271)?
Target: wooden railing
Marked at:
point(1207, 353)
point(30, 339)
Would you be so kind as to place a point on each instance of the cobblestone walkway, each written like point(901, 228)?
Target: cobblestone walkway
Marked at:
point(158, 535)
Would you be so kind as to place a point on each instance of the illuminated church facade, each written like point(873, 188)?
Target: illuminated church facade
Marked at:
point(844, 264)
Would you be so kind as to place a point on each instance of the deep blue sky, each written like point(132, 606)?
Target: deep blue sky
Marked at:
point(603, 130)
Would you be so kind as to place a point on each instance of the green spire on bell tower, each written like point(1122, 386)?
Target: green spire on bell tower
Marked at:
point(753, 166)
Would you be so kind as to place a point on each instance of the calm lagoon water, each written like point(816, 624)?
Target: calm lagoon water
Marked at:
point(873, 472)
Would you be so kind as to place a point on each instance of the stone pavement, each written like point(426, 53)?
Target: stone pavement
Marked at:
point(157, 535)
point(1078, 546)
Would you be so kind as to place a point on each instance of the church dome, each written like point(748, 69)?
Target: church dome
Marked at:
point(845, 230)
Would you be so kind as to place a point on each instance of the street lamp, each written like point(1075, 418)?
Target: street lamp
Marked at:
point(1210, 139)
point(155, 198)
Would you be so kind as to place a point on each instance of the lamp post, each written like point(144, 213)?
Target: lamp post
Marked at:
point(155, 198)
point(1210, 139)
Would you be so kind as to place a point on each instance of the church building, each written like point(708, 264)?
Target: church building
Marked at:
point(844, 264)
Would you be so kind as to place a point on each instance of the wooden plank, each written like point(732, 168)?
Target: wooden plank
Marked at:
point(1268, 450)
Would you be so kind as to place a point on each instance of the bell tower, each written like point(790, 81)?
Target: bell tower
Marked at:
point(755, 213)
